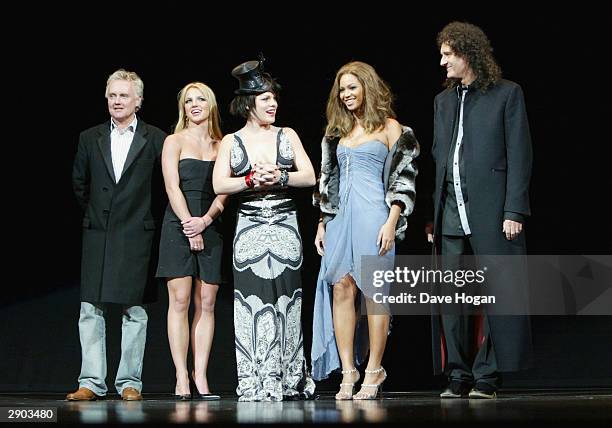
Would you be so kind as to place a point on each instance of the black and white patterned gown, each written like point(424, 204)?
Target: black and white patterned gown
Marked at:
point(267, 288)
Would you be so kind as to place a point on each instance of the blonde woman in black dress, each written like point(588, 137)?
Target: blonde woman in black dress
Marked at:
point(191, 246)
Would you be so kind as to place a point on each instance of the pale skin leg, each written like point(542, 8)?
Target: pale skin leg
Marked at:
point(179, 296)
point(202, 331)
point(345, 319)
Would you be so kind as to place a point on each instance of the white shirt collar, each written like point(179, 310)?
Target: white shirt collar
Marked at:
point(131, 127)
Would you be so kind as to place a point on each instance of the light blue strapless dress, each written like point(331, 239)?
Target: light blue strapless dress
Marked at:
point(349, 235)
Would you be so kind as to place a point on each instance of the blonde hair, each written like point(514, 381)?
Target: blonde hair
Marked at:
point(214, 129)
point(128, 76)
point(376, 106)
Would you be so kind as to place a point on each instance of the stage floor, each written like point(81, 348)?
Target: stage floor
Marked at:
point(423, 408)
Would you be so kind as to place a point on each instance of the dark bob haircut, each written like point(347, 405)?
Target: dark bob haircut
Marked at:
point(241, 105)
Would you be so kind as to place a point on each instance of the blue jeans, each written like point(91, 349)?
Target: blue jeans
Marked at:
point(92, 333)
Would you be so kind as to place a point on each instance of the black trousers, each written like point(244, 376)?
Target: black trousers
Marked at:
point(459, 330)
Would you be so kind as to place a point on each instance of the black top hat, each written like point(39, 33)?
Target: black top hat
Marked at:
point(251, 78)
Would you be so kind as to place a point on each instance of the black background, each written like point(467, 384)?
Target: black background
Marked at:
point(56, 79)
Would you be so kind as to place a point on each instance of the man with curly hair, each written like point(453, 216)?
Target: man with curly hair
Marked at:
point(482, 152)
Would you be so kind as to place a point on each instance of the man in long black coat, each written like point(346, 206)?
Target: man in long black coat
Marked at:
point(482, 152)
point(116, 179)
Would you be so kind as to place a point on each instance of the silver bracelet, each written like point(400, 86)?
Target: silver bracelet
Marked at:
point(284, 177)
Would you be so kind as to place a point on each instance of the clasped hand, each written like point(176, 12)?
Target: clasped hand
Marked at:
point(265, 174)
point(193, 226)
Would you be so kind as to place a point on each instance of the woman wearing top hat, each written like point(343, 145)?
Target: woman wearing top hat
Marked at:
point(262, 163)
point(366, 191)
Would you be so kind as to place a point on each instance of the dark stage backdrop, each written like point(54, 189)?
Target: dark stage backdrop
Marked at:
point(61, 81)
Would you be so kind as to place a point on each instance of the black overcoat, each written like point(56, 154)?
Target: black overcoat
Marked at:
point(497, 158)
point(120, 221)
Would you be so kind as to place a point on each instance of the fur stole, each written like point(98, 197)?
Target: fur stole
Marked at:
point(399, 177)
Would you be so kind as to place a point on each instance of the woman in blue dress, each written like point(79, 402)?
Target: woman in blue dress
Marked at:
point(366, 191)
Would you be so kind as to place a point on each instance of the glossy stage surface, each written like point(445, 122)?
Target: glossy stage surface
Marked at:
point(579, 408)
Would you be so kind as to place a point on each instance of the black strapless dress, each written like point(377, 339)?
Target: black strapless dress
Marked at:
point(175, 256)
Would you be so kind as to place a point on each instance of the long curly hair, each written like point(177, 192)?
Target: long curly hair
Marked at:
point(376, 106)
point(471, 43)
point(214, 128)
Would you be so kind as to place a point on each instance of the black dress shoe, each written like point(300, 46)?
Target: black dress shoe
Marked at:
point(456, 389)
point(483, 390)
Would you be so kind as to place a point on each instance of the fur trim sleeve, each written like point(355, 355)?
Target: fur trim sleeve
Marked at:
point(402, 177)
point(316, 194)
point(326, 194)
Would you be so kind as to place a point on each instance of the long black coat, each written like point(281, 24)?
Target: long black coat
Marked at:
point(497, 157)
point(120, 218)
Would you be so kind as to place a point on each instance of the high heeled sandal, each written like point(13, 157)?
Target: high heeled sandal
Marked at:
point(362, 395)
point(341, 395)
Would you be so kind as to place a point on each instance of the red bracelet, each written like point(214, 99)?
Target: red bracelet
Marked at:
point(248, 179)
